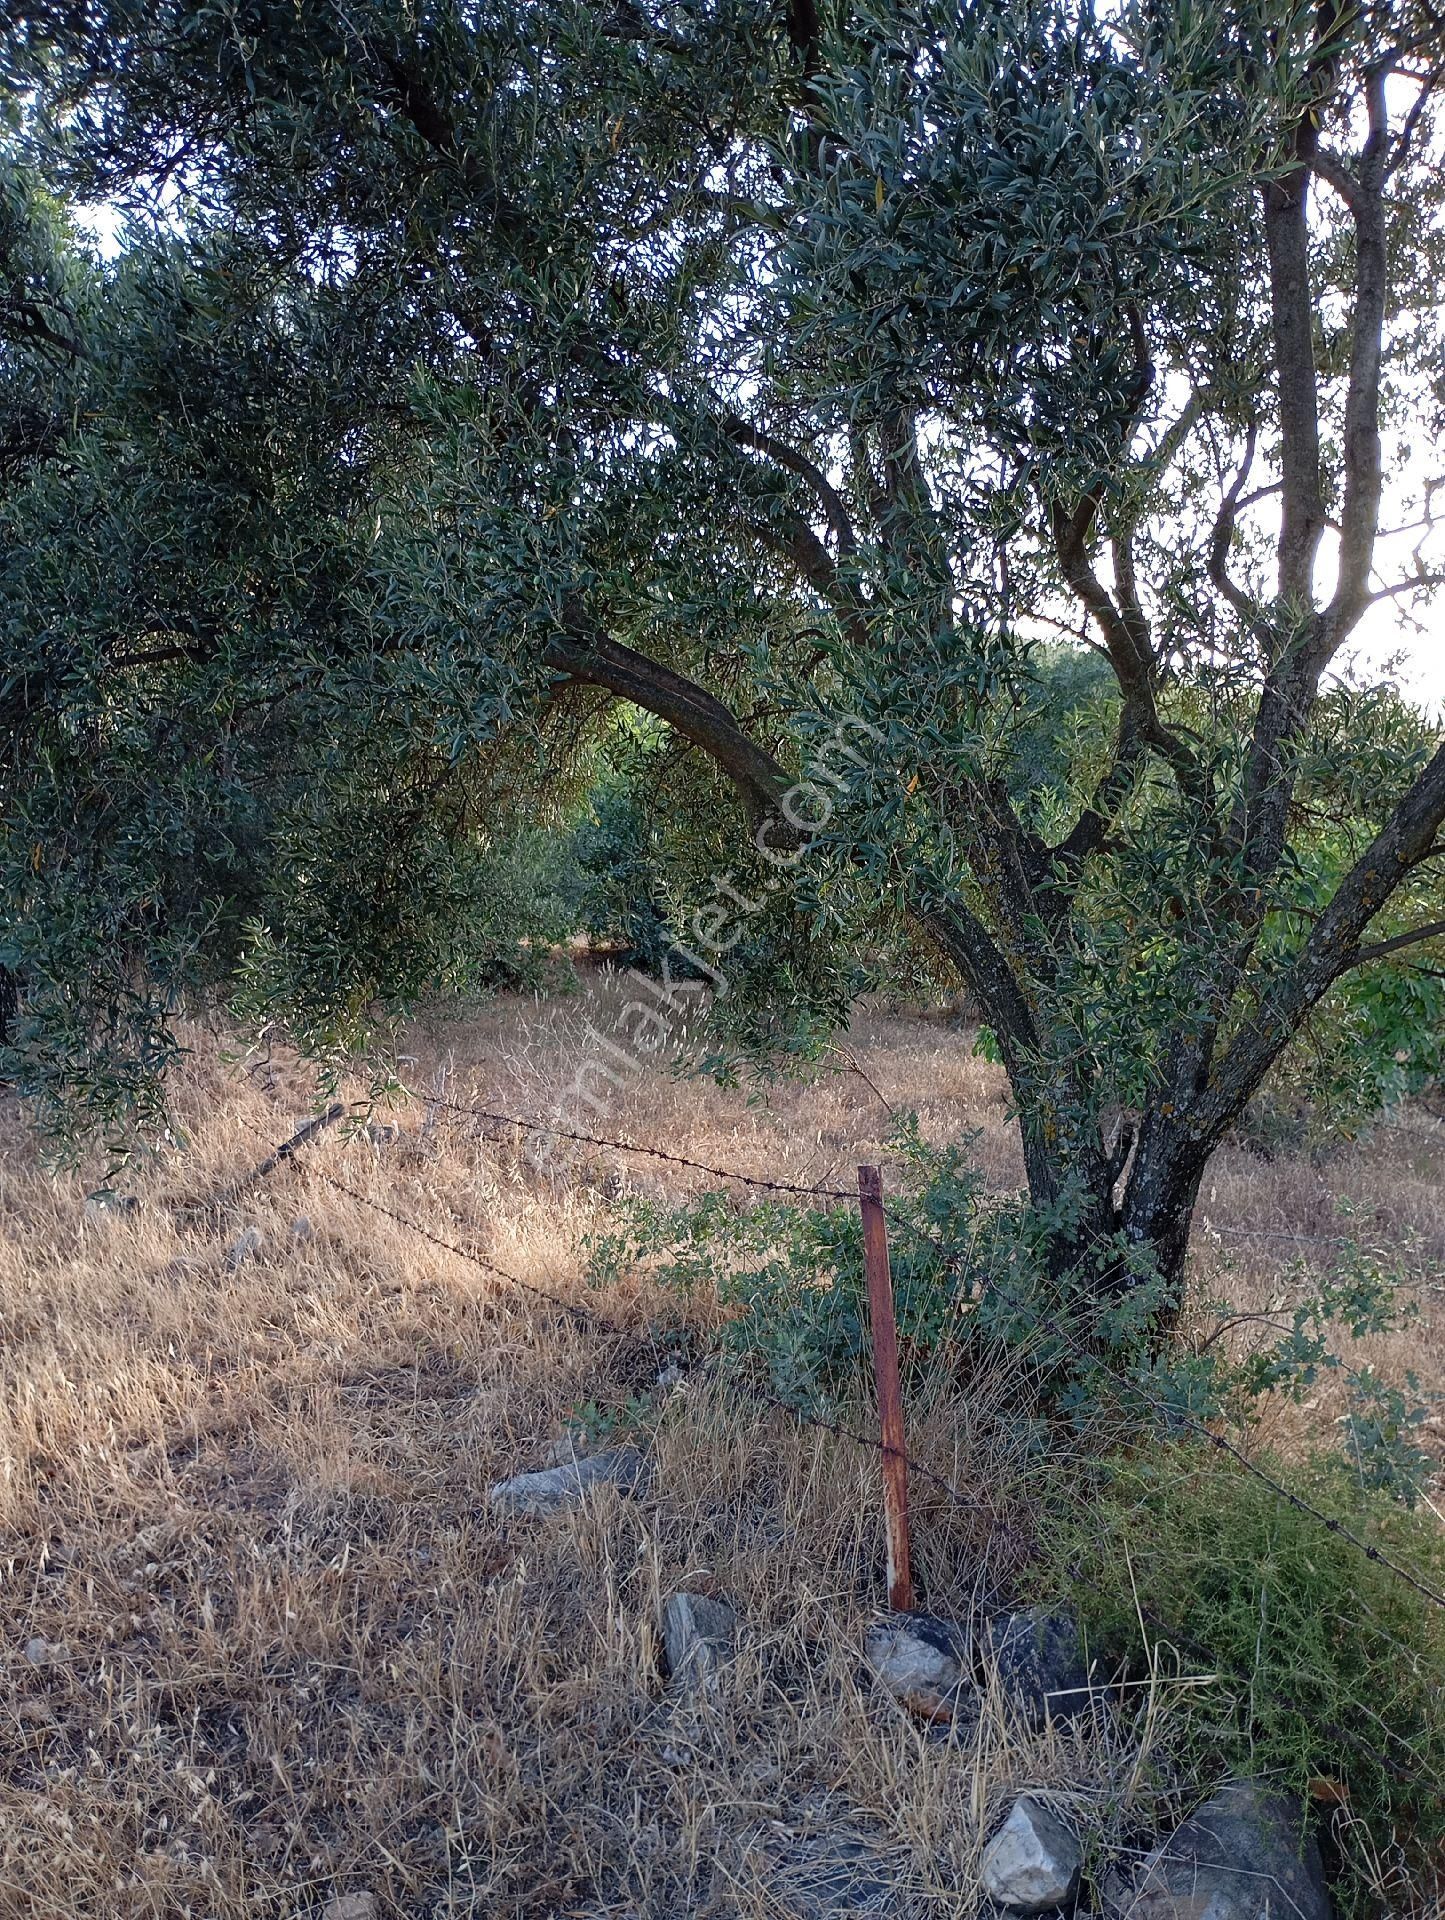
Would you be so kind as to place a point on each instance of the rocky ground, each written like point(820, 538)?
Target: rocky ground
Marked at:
point(338, 1582)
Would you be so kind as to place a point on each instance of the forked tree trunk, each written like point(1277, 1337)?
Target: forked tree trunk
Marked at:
point(1126, 1224)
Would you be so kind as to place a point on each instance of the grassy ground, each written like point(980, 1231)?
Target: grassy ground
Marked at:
point(266, 1644)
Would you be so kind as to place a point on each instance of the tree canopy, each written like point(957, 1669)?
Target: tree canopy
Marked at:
point(460, 372)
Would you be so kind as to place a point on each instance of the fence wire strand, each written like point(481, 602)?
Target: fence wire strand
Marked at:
point(591, 1319)
point(1171, 1415)
point(632, 1146)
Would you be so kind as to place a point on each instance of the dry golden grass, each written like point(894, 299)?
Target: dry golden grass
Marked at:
point(267, 1644)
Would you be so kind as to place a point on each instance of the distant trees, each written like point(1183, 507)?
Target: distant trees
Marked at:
point(761, 366)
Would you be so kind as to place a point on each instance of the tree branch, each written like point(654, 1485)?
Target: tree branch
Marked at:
point(1332, 169)
point(699, 716)
point(1222, 536)
point(1292, 319)
point(1126, 639)
point(1383, 947)
point(1406, 137)
point(1331, 949)
point(1364, 472)
point(798, 463)
point(28, 320)
point(1308, 638)
point(1417, 583)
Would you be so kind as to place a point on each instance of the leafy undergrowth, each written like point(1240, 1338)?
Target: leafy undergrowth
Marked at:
point(1327, 1668)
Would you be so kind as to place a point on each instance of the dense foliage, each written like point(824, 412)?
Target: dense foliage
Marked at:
point(792, 375)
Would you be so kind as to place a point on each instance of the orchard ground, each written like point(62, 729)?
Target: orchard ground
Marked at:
point(268, 1646)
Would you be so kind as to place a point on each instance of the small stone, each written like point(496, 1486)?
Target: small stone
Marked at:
point(1038, 1660)
point(302, 1229)
point(350, 1906)
point(565, 1486)
point(1033, 1862)
point(1244, 1855)
point(698, 1635)
point(246, 1247)
point(922, 1660)
point(106, 1204)
point(837, 1875)
point(41, 1652)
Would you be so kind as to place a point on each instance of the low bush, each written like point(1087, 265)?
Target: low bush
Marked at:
point(971, 1286)
point(1327, 1669)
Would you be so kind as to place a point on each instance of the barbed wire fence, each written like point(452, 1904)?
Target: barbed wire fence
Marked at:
point(1168, 1412)
point(591, 1319)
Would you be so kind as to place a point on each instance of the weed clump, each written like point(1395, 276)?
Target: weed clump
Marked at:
point(1328, 1669)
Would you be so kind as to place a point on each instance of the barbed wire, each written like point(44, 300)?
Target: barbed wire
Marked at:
point(632, 1146)
point(583, 1315)
point(1276, 1233)
point(1284, 1235)
point(1171, 1414)
point(592, 1319)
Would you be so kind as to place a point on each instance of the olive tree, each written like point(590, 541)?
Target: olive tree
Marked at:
point(769, 368)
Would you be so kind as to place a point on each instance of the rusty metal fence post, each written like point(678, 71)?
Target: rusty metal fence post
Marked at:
point(884, 1333)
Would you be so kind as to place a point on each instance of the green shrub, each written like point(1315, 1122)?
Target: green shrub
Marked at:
point(619, 888)
point(1328, 1666)
point(792, 1278)
point(971, 1286)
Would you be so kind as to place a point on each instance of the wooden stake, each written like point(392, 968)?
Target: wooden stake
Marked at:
point(890, 1388)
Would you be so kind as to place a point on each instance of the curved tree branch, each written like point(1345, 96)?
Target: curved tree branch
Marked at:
point(582, 653)
point(1332, 948)
point(1223, 534)
point(1394, 945)
point(798, 463)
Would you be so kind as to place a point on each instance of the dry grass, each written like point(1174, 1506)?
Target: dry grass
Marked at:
point(267, 1644)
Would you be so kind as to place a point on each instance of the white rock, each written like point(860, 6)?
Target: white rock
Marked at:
point(104, 1204)
point(565, 1486)
point(246, 1247)
point(350, 1906)
point(1033, 1862)
point(698, 1635)
point(921, 1661)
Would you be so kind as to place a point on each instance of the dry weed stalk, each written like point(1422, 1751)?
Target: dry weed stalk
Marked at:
point(265, 1640)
